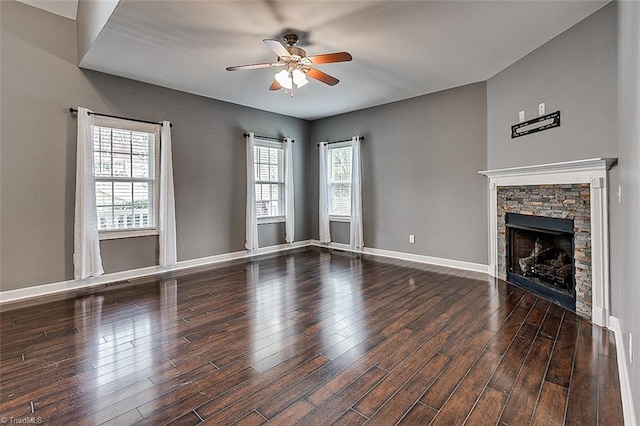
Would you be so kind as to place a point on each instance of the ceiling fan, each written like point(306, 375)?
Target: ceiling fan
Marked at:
point(296, 63)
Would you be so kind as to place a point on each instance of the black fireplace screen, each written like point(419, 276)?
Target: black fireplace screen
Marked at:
point(540, 255)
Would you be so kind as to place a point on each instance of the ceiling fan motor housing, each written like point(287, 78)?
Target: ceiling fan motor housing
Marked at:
point(291, 39)
point(296, 52)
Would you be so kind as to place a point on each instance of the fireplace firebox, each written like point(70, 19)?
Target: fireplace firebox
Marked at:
point(540, 256)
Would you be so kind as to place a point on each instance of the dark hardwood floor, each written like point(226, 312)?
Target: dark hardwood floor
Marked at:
point(309, 337)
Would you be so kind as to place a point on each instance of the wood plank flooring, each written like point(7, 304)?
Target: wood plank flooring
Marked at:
point(312, 337)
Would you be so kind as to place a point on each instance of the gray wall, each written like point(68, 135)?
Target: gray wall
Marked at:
point(625, 239)
point(40, 81)
point(420, 159)
point(574, 73)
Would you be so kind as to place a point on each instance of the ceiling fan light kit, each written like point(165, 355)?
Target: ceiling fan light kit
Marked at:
point(287, 79)
point(297, 65)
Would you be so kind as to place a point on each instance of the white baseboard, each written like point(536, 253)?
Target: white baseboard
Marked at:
point(69, 285)
point(623, 372)
point(59, 287)
point(450, 263)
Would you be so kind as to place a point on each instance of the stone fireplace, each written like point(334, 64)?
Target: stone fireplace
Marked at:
point(549, 234)
point(554, 205)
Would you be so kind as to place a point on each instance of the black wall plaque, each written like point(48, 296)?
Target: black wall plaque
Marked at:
point(535, 125)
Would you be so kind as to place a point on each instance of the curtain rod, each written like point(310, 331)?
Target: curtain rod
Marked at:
point(344, 140)
point(267, 137)
point(73, 110)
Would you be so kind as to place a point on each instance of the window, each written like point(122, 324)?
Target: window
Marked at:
point(126, 167)
point(269, 174)
point(340, 180)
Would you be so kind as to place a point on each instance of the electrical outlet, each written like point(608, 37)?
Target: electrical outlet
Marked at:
point(521, 116)
point(541, 109)
point(412, 238)
point(630, 348)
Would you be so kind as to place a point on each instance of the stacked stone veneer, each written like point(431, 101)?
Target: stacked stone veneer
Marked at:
point(557, 201)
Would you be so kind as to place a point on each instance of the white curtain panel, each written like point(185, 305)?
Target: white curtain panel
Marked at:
point(167, 214)
point(356, 237)
point(323, 202)
point(87, 261)
point(289, 215)
point(251, 240)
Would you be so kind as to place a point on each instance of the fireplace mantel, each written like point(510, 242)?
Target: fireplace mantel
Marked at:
point(552, 170)
point(591, 171)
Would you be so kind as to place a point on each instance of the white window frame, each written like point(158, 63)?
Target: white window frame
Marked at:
point(116, 123)
point(347, 144)
point(280, 146)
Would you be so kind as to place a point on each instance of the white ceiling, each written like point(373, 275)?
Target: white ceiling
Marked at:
point(66, 8)
point(401, 49)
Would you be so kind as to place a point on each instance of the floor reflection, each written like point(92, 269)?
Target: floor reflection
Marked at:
point(168, 302)
point(341, 303)
point(87, 319)
point(272, 314)
point(282, 323)
point(121, 351)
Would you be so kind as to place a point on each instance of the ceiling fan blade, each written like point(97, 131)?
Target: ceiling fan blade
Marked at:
point(275, 86)
point(323, 77)
point(254, 66)
point(277, 47)
point(330, 57)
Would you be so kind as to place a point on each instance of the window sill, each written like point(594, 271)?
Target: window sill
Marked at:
point(116, 235)
point(340, 219)
point(275, 219)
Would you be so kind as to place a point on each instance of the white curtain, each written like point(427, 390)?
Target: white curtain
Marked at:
point(356, 237)
point(87, 261)
point(323, 214)
point(289, 215)
point(167, 214)
point(251, 240)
